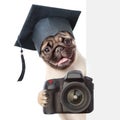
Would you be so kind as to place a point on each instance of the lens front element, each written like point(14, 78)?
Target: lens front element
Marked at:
point(75, 97)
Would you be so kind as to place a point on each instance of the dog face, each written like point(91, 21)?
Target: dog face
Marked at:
point(59, 51)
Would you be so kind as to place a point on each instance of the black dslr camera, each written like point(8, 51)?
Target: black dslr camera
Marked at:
point(71, 94)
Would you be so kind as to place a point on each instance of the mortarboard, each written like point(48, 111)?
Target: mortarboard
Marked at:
point(42, 22)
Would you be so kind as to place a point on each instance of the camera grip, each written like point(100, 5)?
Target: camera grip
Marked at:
point(49, 108)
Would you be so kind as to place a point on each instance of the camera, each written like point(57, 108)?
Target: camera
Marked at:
point(70, 94)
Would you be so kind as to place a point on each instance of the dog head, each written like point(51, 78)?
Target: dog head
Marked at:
point(59, 51)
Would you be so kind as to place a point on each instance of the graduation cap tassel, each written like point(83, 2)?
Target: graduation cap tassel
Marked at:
point(23, 66)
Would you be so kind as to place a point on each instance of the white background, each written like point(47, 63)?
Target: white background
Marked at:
point(18, 100)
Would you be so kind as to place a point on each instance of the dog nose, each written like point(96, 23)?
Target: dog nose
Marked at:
point(59, 49)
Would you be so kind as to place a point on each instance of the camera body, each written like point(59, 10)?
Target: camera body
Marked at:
point(71, 94)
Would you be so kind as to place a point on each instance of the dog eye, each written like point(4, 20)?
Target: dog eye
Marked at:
point(67, 41)
point(47, 49)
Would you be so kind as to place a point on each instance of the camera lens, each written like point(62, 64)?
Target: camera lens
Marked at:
point(75, 97)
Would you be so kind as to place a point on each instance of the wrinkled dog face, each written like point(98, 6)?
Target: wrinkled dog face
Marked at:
point(59, 50)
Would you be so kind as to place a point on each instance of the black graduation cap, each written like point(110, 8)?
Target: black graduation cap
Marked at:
point(42, 22)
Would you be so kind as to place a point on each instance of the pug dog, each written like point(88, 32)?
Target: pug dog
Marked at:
point(60, 54)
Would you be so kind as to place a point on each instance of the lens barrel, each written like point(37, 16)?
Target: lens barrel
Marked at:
point(75, 97)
